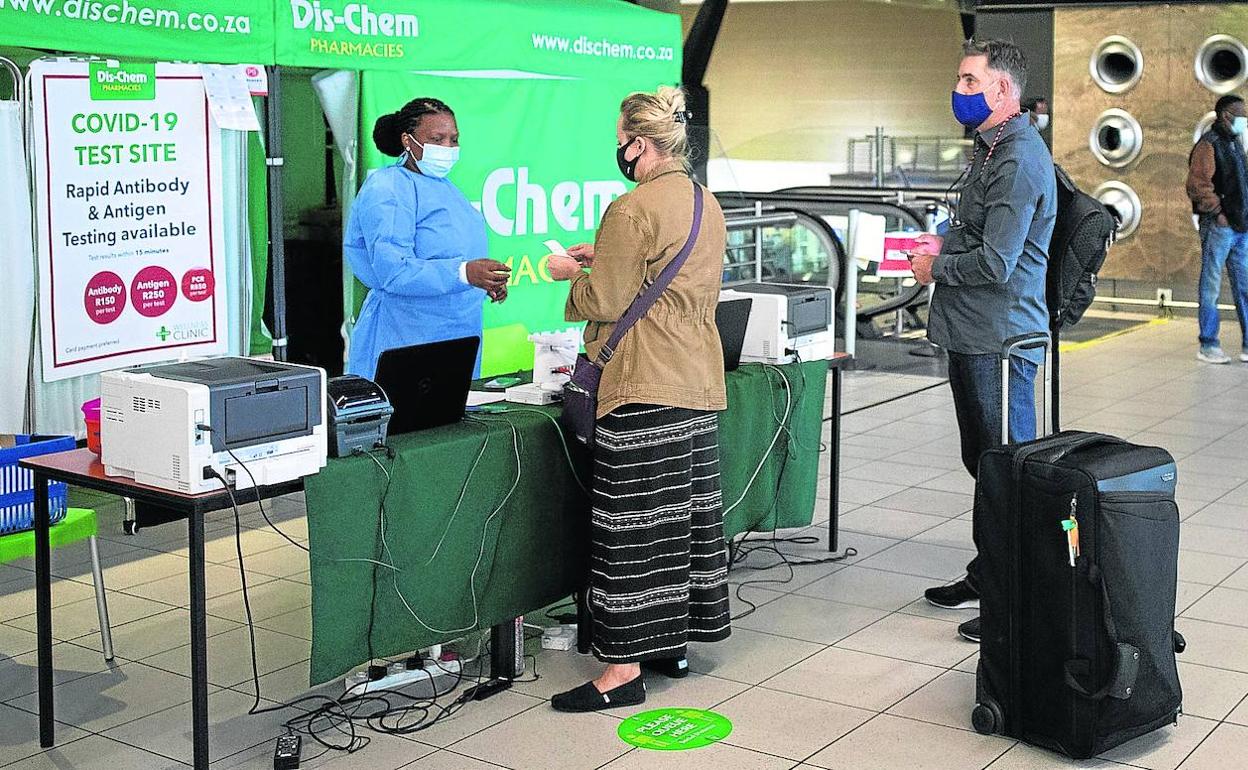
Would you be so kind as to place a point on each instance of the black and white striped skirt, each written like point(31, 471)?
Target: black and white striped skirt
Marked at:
point(659, 565)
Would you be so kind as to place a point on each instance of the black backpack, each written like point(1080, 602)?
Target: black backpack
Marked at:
point(1082, 234)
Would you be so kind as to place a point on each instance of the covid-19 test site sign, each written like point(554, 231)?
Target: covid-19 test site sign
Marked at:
point(128, 212)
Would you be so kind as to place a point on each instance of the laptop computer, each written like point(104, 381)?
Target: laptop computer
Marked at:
point(732, 317)
point(427, 384)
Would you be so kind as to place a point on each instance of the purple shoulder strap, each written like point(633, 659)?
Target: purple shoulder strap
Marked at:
point(650, 294)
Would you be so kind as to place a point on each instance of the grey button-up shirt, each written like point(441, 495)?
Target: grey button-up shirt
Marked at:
point(990, 275)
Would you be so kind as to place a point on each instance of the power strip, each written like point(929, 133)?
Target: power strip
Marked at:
point(399, 675)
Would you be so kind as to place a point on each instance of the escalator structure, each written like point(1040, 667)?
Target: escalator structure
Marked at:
point(798, 235)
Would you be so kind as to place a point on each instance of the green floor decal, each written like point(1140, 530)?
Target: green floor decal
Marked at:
point(674, 729)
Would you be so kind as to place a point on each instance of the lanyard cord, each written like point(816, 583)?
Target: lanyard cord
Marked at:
point(970, 166)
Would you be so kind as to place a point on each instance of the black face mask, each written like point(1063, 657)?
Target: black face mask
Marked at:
point(627, 167)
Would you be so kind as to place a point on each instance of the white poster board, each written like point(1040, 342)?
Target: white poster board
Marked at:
point(129, 216)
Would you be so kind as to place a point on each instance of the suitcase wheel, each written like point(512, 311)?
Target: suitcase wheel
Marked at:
point(1180, 644)
point(987, 718)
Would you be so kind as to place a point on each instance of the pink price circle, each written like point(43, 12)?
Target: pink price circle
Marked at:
point(198, 284)
point(105, 297)
point(153, 291)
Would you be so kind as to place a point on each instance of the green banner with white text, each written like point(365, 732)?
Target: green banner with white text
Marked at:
point(575, 38)
point(228, 31)
point(586, 38)
point(538, 160)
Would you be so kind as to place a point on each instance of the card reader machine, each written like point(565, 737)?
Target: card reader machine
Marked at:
point(359, 415)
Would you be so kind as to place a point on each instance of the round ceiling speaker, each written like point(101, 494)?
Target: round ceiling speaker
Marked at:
point(1222, 64)
point(1116, 138)
point(1116, 65)
point(1123, 203)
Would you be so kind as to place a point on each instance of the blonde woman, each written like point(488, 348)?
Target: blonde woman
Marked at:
point(659, 567)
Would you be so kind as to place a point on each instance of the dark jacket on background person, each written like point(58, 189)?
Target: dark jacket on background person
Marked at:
point(1217, 178)
point(672, 356)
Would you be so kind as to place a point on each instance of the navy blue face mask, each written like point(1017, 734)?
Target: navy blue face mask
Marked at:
point(971, 110)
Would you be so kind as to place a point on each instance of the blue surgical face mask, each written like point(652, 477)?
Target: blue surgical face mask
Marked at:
point(436, 160)
point(971, 110)
point(1239, 125)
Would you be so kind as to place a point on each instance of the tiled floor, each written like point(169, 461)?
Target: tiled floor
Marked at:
point(844, 667)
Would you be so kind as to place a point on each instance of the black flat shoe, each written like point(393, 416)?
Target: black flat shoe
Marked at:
point(672, 668)
point(587, 698)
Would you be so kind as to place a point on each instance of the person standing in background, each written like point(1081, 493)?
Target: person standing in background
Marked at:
point(417, 243)
point(1038, 110)
point(990, 269)
point(1217, 184)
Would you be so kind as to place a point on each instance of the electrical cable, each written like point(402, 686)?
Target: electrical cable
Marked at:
point(256, 488)
point(737, 551)
point(388, 556)
point(563, 440)
point(386, 713)
point(767, 454)
point(242, 574)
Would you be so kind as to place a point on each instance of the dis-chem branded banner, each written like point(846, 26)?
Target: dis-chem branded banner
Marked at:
point(228, 31)
point(537, 159)
point(579, 38)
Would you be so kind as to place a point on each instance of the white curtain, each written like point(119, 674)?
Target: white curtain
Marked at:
point(238, 278)
point(339, 93)
point(17, 265)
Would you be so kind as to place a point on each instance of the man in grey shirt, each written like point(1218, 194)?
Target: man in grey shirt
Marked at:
point(989, 269)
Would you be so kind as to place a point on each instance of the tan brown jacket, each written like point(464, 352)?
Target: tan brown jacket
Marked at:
point(672, 357)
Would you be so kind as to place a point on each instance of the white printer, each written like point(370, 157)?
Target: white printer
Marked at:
point(176, 425)
point(787, 322)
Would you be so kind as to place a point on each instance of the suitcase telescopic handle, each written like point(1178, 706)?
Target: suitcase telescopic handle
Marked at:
point(1009, 349)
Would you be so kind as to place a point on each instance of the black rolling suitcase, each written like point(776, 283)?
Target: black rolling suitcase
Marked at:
point(1078, 536)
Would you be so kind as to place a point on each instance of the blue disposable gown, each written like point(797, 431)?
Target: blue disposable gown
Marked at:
point(406, 238)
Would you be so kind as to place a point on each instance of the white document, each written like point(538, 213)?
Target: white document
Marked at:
point(479, 397)
point(867, 240)
point(555, 247)
point(229, 96)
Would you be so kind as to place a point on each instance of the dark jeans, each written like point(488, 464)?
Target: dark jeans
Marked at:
point(976, 384)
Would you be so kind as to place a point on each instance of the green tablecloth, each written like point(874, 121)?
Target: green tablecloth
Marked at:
point(518, 540)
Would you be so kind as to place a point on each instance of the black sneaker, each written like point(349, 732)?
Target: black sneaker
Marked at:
point(970, 630)
point(587, 698)
point(958, 596)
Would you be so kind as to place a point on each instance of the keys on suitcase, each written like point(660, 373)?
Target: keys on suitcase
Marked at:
point(1071, 528)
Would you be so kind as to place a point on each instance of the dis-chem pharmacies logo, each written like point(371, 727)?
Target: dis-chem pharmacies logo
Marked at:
point(129, 81)
point(334, 25)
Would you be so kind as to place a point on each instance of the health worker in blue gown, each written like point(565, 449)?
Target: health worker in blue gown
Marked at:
point(416, 243)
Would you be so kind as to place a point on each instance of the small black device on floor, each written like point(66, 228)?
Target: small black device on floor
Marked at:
point(427, 384)
point(286, 754)
point(732, 317)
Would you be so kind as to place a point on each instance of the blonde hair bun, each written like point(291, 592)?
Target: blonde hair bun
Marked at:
point(661, 118)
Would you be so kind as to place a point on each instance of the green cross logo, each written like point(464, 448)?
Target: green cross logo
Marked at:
point(163, 333)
